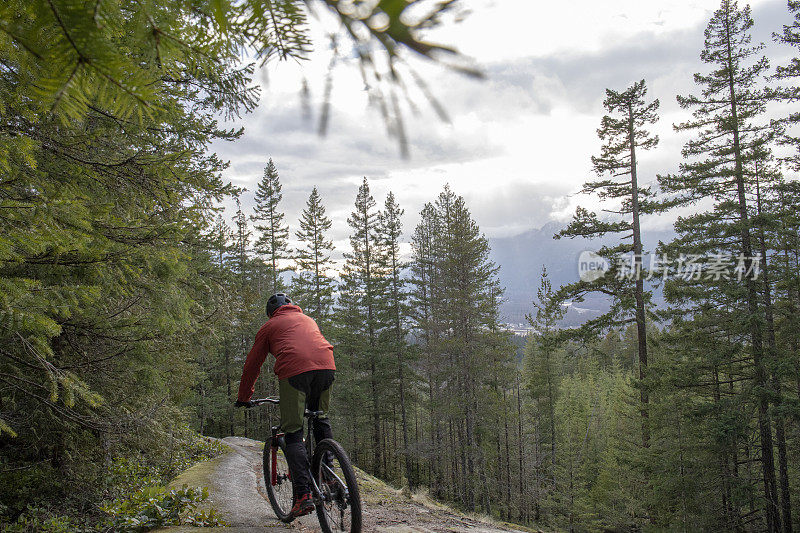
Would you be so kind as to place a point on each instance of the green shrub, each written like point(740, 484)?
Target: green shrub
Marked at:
point(154, 507)
point(131, 472)
point(74, 496)
point(41, 520)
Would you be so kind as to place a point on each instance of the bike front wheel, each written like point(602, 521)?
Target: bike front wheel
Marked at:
point(340, 508)
point(277, 479)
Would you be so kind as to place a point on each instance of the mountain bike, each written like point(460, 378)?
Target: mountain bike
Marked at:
point(334, 487)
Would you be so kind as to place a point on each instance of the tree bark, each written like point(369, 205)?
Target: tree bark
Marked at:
point(641, 326)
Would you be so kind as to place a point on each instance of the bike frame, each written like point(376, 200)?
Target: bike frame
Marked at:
point(275, 437)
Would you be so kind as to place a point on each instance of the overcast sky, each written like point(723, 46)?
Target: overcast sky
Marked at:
point(519, 143)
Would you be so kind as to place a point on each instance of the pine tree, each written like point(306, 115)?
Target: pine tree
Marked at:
point(273, 242)
point(767, 179)
point(72, 51)
point(462, 344)
point(541, 366)
point(623, 134)
point(390, 231)
point(219, 372)
point(107, 189)
point(241, 270)
point(422, 302)
point(363, 284)
point(724, 118)
point(312, 286)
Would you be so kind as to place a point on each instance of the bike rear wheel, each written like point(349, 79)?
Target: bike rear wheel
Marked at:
point(340, 508)
point(278, 481)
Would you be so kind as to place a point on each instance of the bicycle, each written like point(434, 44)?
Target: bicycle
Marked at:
point(334, 488)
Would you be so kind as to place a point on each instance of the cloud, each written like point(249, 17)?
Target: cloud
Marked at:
point(356, 146)
point(519, 144)
point(517, 207)
point(512, 29)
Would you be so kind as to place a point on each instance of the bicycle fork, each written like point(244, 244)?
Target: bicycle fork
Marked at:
point(274, 444)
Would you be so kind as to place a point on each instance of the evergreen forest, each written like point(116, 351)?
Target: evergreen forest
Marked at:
point(129, 297)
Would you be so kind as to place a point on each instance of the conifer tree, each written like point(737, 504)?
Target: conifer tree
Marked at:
point(73, 52)
point(623, 134)
point(312, 285)
point(422, 302)
point(725, 117)
point(273, 242)
point(423, 272)
point(241, 270)
point(103, 275)
point(363, 284)
point(785, 275)
point(221, 246)
point(462, 344)
point(540, 363)
point(390, 231)
point(767, 180)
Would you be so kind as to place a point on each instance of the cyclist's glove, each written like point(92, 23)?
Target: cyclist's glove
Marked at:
point(243, 404)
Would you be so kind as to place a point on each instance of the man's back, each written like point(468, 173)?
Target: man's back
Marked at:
point(295, 341)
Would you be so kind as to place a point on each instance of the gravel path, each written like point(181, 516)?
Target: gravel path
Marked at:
point(236, 491)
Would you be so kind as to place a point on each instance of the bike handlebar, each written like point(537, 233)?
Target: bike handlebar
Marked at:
point(260, 401)
point(276, 401)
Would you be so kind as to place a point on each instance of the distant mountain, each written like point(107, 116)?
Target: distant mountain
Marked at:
point(521, 258)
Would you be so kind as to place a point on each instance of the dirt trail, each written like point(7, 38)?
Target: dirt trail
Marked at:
point(236, 488)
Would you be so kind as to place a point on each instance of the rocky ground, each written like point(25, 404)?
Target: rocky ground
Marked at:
point(236, 488)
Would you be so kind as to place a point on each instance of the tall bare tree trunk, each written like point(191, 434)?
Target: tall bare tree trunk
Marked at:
point(641, 325)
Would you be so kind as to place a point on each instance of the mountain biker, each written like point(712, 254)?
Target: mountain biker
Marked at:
point(305, 369)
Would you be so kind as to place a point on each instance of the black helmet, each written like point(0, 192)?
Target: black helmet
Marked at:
point(275, 301)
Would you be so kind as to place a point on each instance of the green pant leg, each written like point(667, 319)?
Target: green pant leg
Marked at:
point(324, 402)
point(293, 407)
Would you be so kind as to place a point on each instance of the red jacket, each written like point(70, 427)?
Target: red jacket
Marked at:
point(295, 341)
